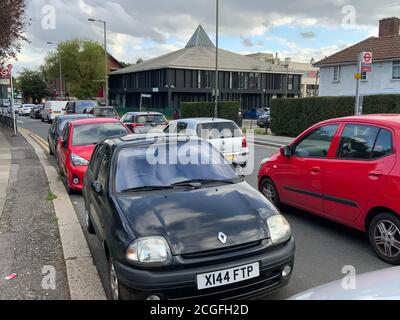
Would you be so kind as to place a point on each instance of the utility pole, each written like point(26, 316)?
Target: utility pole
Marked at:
point(105, 57)
point(60, 65)
point(358, 79)
point(216, 62)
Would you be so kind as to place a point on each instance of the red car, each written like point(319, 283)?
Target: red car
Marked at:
point(346, 170)
point(76, 145)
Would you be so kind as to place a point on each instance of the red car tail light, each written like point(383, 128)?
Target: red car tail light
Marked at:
point(244, 142)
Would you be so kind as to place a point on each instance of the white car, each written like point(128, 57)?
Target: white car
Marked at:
point(25, 109)
point(53, 109)
point(225, 135)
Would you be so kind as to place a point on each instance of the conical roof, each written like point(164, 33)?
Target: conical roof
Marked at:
point(200, 38)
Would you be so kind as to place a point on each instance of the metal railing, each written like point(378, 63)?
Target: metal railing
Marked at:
point(6, 119)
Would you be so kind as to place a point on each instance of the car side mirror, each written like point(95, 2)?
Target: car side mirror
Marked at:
point(286, 151)
point(97, 186)
point(61, 142)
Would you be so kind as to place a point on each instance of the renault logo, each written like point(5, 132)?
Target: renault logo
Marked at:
point(222, 237)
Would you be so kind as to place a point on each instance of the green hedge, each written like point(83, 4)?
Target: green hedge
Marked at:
point(226, 110)
point(290, 117)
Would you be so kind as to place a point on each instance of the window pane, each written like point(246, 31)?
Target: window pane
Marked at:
point(317, 144)
point(357, 142)
point(383, 145)
point(396, 70)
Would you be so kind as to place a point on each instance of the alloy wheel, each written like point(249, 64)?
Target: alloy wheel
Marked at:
point(114, 284)
point(387, 238)
point(269, 192)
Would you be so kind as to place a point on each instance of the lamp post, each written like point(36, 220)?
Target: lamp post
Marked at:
point(105, 56)
point(59, 58)
point(216, 62)
point(286, 65)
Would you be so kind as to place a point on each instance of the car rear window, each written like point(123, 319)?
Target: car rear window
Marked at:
point(105, 112)
point(87, 134)
point(151, 118)
point(80, 106)
point(218, 130)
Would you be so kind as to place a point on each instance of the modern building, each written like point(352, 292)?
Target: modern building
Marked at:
point(309, 79)
point(338, 70)
point(189, 75)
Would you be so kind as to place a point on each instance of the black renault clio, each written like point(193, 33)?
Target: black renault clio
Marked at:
point(177, 222)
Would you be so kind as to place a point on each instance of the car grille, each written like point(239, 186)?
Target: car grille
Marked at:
point(216, 252)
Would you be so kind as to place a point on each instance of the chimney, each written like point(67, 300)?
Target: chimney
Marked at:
point(389, 27)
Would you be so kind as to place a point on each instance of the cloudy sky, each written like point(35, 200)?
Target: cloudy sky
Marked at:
point(148, 28)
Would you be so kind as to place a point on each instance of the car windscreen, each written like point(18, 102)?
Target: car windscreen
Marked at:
point(166, 164)
point(81, 106)
point(218, 130)
point(87, 134)
point(151, 118)
point(105, 112)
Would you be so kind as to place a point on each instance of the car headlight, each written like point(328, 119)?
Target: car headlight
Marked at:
point(279, 229)
point(264, 161)
point(149, 251)
point(78, 161)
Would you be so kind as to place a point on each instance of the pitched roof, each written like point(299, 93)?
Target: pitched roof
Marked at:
point(382, 48)
point(203, 58)
point(200, 39)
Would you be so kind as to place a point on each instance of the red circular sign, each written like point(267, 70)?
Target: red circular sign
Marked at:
point(367, 57)
point(4, 72)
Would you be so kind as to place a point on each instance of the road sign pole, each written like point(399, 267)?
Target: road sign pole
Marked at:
point(357, 107)
point(12, 103)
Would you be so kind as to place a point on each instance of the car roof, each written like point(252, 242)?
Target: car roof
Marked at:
point(203, 120)
point(149, 138)
point(388, 119)
point(74, 116)
point(94, 121)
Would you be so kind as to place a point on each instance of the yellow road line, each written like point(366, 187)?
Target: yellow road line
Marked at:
point(43, 143)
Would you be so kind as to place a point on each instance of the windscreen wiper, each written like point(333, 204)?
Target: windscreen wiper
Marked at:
point(146, 188)
point(197, 183)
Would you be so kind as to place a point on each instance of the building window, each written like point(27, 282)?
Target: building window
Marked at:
point(396, 70)
point(254, 80)
point(290, 82)
point(364, 76)
point(336, 73)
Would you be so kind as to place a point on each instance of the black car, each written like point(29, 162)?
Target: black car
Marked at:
point(35, 112)
point(185, 230)
point(58, 125)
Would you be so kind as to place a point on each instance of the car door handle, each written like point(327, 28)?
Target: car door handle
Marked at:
point(315, 170)
point(375, 173)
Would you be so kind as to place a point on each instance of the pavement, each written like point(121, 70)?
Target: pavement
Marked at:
point(30, 245)
point(323, 247)
point(41, 239)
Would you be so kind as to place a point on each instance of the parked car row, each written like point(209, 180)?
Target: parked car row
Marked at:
point(143, 212)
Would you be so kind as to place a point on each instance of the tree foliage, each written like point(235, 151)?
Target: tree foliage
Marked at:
point(32, 83)
point(13, 22)
point(82, 64)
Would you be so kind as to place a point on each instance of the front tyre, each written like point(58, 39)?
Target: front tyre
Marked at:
point(88, 223)
point(113, 281)
point(268, 189)
point(384, 235)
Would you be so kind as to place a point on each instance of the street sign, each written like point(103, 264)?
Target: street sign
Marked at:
point(4, 73)
point(357, 76)
point(4, 82)
point(366, 61)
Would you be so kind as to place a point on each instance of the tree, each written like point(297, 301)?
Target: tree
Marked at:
point(13, 23)
point(82, 66)
point(32, 83)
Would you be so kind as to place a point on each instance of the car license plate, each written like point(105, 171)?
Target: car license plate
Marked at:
point(56, 112)
point(228, 276)
point(231, 158)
